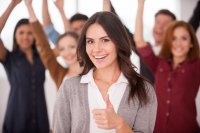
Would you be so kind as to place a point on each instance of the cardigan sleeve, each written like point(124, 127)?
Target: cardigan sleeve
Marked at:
point(146, 115)
point(47, 56)
point(62, 114)
point(149, 58)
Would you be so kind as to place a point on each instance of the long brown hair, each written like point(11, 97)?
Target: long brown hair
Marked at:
point(167, 43)
point(117, 33)
point(21, 22)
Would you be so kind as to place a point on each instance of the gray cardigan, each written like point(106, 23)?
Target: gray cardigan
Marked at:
point(71, 111)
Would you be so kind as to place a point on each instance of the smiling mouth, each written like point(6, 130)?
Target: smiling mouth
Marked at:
point(100, 57)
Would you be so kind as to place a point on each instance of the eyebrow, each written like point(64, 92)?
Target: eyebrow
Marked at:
point(99, 38)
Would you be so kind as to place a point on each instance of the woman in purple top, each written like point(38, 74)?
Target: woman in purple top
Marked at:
point(176, 73)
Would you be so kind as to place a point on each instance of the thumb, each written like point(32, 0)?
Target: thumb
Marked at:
point(108, 103)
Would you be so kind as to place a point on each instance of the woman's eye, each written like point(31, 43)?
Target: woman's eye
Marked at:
point(89, 41)
point(72, 47)
point(184, 38)
point(105, 40)
point(61, 49)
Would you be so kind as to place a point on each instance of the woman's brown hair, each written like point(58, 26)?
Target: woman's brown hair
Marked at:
point(69, 33)
point(21, 22)
point(167, 43)
point(117, 33)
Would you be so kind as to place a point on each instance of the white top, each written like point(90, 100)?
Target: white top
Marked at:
point(136, 61)
point(96, 101)
point(156, 49)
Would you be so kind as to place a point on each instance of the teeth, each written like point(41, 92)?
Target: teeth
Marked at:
point(99, 57)
point(178, 49)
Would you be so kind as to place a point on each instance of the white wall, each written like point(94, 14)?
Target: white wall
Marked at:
point(187, 7)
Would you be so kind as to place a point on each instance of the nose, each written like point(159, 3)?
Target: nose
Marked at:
point(177, 42)
point(97, 46)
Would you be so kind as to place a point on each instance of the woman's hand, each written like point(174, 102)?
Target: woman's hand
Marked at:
point(59, 4)
point(107, 118)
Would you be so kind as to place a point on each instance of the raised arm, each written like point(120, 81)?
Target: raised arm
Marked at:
point(57, 72)
point(60, 5)
point(106, 5)
point(138, 36)
point(143, 48)
point(50, 31)
point(45, 14)
point(3, 20)
point(7, 13)
point(195, 19)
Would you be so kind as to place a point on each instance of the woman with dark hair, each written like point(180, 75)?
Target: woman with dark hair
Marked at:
point(109, 96)
point(176, 71)
point(26, 109)
point(67, 47)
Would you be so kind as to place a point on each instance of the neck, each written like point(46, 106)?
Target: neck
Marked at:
point(107, 75)
point(74, 69)
point(27, 51)
point(29, 55)
point(178, 60)
point(158, 43)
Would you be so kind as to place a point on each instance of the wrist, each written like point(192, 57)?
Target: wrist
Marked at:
point(13, 4)
point(61, 10)
point(120, 123)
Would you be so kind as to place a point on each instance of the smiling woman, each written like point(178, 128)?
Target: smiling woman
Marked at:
point(100, 48)
point(109, 75)
point(26, 109)
point(176, 73)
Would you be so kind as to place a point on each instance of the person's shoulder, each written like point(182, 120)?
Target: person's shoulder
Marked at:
point(150, 90)
point(148, 86)
point(72, 81)
point(71, 84)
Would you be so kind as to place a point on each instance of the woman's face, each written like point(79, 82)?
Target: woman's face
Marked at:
point(181, 43)
point(67, 47)
point(24, 37)
point(100, 48)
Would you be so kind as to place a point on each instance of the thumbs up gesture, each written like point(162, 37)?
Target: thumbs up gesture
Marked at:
point(107, 118)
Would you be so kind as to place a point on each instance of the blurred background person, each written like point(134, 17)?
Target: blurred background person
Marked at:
point(176, 72)
point(67, 47)
point(26, 109)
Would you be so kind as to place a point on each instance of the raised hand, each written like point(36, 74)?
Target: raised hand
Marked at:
point(107, 118)
point(59, 4)
point(32, 16)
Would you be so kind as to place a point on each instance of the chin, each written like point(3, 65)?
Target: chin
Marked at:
point(100, 66)
point(70, 62)
point(25, 46)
